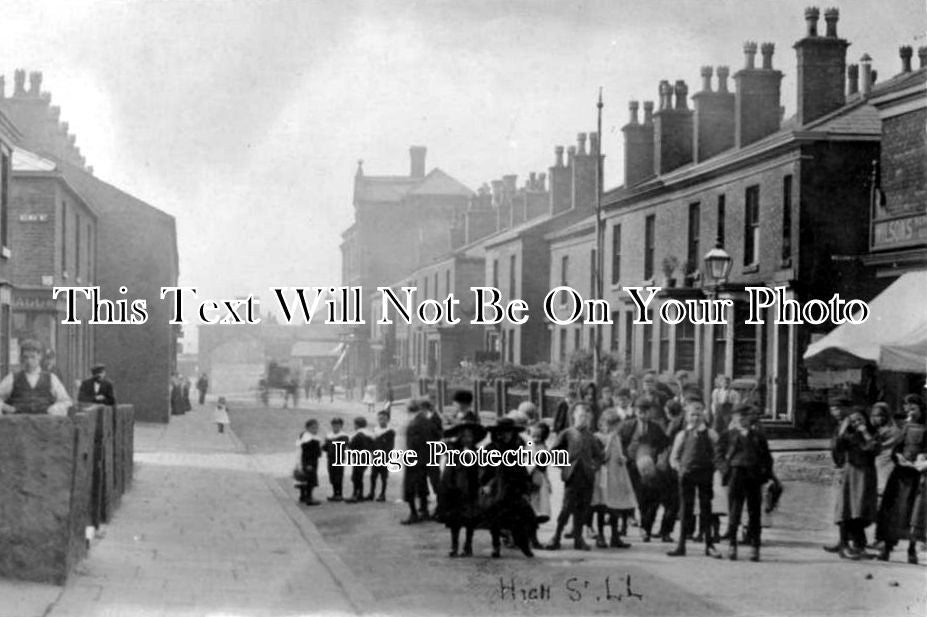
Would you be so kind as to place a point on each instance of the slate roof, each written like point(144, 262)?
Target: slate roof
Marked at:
point(395, 188)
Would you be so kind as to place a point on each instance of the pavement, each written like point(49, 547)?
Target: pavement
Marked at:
point(211, 527)
point(202, 532)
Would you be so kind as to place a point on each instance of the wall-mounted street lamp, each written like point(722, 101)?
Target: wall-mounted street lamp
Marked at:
point(717, 265)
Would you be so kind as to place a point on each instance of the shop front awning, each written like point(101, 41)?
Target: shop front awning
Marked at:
point(894, 337)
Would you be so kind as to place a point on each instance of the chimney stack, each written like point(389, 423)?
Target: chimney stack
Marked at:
point(922, 56)
point(417, 159)
point(756, 106)
point(561, 183)
point(714, 116)
point(584, 174)
point(906, 52)
point(852, 79)
point(821, 68)
point(638, 145)
point(865, 64)
point(672, 130)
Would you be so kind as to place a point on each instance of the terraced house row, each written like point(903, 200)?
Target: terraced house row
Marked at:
point(830, 200)
point(61, 225)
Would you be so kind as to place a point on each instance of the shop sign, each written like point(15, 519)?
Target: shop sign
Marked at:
point(899, 232)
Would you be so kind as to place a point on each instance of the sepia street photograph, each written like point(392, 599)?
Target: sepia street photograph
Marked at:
point(465, 308)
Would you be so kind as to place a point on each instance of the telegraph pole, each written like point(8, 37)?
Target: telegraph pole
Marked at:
point(596, 351)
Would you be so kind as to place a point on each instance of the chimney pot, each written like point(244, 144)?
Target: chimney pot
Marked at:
point(723, 73)
point(682, 91)
point(571, 154)
point(35, 83)
point(360, 168)
point(558, 156)
point(831, 16)
point(666, 94)
point(633, 106)
point(767, 50)
point(19, 82)
point(853, 78)
point(542, 181)
point(594, 143)
point(866, 69)
point(581, 143)
point(532, 180)
point(906, 52)
point(922, 56)
point(812, 14)
point(706, 78)
point(750, 54)
point(648, 112)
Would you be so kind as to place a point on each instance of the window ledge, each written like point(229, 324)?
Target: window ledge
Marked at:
point(751, 269)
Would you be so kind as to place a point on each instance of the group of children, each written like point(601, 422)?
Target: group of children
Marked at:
point(311, 447)
point(657, 453)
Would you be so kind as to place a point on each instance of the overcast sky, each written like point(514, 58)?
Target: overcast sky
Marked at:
point(245, 119)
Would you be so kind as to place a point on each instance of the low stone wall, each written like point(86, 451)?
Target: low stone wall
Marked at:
point(59, 475)
point(45, 478)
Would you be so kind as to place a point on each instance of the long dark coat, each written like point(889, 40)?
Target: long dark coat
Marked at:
point(903, 512)
point(857, 486)
point(512, 511)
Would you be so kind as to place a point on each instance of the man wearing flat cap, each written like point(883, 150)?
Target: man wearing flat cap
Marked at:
point(97, 390)
point(32, 390)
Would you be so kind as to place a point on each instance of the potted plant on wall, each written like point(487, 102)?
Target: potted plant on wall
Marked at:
point(690, 273)
point(670, 263)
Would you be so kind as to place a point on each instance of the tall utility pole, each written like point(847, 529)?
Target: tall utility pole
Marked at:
point(596, 351)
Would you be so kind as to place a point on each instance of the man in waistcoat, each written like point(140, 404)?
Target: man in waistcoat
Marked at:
point(693, 458)
point(32, 390)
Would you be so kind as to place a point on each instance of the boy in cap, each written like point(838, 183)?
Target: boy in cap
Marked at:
point(335, 472)
point(384, 438)
point(745, 464)
point(693, 457)
point(310, 451)
point(363, 441)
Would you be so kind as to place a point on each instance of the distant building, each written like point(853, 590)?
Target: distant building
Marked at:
point(135, 246)
point(400, 223)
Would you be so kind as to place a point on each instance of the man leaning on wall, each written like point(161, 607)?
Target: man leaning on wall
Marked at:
point(32, 390)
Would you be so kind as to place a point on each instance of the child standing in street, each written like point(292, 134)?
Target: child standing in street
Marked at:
point(384, 438)
point(310, 451)
point(363, 441)
point(613, 494)
point(540, 483)
point(335, 472)
point(221, 415)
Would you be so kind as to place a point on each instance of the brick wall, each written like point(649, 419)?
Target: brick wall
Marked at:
point(904, 173)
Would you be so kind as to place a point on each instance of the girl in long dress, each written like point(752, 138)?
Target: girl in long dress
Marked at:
point(857, 492)
point(613, 494)
point(540, 483)
point(902, 513)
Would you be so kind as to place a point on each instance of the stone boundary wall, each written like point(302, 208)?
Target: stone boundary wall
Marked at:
point(59, 475)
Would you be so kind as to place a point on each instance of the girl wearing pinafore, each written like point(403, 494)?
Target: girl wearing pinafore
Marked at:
point(613, 493)
point(221, 416)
